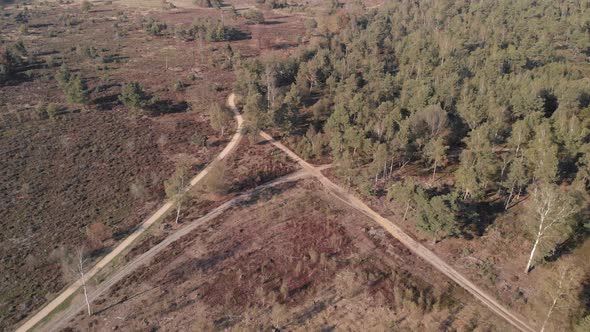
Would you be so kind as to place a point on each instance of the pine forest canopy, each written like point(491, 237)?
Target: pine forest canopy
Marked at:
point(501, 89)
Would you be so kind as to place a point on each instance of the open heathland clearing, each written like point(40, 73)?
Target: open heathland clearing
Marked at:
point(293, 258)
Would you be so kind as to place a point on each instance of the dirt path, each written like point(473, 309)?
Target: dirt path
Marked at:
point(406, 240)
point(59, 320)
point(64, 295)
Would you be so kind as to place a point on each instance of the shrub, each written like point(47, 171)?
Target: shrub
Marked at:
point(199, 139)
point(179, 86)
point(98, 232)
point(85, 6)
point(87, 51)
point(63, 76)
point(52, 111)
point(22, 17)
point(254, 16)
point(155, 28)
point(272, 4)
point(214, 30)
point(41, 111)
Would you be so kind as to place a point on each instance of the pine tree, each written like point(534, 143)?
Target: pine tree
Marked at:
point(542, 154)
point(255, 113)
point(76, 91)
point(408, 193)
point(477, 167)
point(63, 76)
point(285, 117)
point(438, 217)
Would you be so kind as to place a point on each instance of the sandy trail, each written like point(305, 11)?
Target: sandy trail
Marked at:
point(121, 247)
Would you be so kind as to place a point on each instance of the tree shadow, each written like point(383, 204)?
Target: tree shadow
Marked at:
point(253, 180)
point(123, 300)
point(579, 234)
point(283, 46)
point(45, 53)
point(187, 270)
point(585, 295)
point(114, 58)
point(161, 107)
point(40, 25)
point(267, 193)
point(478, 216)
point(105, 103)
point(272, 22)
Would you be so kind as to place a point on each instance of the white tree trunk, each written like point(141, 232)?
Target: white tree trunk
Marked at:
point(509, 198)
point(86, 296)
point(178, 212)
point(532, 255)
point(83, 277)
point(549, 314)
point(406, 212)
point(434, 171)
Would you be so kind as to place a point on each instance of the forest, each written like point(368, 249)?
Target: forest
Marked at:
point(492, 98)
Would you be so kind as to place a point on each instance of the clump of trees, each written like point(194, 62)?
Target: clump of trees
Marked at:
point(74, 88)
point(213, 30)
point(12, 59)
point(437, 215)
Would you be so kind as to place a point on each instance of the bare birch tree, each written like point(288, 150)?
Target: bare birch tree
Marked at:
point(220, 117)
point(81, 263)
point(176, 186)
point(561, 289)
point(550, 216)
point(74, 265)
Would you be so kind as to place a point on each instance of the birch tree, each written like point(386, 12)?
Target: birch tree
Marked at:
point(74, 264)
point(550, 217)
point(478, 167)
point(81, 260)
point(176, 186)
point(561, 290)
point(220, 117)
